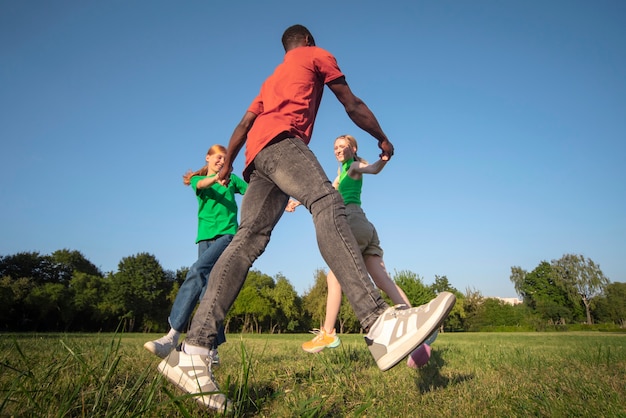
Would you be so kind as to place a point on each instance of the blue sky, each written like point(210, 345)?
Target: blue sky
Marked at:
point(508, 118)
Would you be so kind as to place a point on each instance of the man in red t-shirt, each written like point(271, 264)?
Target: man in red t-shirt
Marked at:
point(276, 129)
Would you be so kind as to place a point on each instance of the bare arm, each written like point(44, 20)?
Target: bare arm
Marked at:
point(365, 168)
point(237, 140)
point(206, 182)
point(360, 114)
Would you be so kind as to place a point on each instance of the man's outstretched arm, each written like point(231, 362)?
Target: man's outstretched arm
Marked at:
point(360, 114)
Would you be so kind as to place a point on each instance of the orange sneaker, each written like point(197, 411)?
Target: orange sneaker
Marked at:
point(321, 340)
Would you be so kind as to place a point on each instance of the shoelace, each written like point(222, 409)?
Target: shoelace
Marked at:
point(319, 334)
point(397, 309)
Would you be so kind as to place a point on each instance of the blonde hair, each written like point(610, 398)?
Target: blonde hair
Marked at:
point(204, 170)
point(353, 144)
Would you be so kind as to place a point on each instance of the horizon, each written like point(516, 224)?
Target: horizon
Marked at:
point(508, 121)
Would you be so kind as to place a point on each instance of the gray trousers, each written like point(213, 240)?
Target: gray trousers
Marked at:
point(283, 169)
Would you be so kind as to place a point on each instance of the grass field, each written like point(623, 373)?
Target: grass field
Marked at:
point(469, 375)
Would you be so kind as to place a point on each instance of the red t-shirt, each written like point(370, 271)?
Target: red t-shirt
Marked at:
point(289, 98)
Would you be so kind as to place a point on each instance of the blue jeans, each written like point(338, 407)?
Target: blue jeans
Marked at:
point(193, 288)
point(283, 169)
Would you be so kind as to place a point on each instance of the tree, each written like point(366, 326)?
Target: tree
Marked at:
point(288, 304)
point(314, 299)
point(442, 284)
point(582, 278)
point(611, 307)
point(67, 262)
point(518, 277)
point(471, 302)
point(15, 314)
point(32, 265)
point(492, 312)
point(138, 292)
point(52, 307)
point(544, 293)
point(254, 306)
point(88, 291)
point(414, 287)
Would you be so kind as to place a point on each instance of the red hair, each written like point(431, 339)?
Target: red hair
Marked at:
point(204, 170)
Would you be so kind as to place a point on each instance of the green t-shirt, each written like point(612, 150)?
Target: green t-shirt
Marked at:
point(349, 188)
point(217, 209)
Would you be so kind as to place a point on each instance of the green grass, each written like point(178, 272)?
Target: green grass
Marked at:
point(470, 374)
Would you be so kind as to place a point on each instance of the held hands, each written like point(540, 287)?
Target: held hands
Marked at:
point(223, 177)
point(387, 149)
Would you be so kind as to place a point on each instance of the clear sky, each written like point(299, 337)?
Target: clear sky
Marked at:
point(508, 119)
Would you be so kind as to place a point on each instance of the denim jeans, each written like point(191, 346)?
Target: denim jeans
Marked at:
point(283, 169)
point(193, 288)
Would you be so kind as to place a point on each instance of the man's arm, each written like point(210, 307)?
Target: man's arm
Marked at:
point(360, 114)
point(237, 139)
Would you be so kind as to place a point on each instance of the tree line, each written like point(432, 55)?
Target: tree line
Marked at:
point(63, 291)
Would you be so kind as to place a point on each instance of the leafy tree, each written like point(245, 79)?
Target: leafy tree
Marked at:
point(254, 306)
point(611, 307)
point(32, 265)
point(414, 287)
point(348, 322)
point(456, 317)
point(52, 305)
point(67, 262)
point(314, 299)
point(87, 292)
point(518, 278)
point(314, 302)
point(544, 293)
point(288, 304)
point(492, 312)
point(15, 314)
point(442, 284)
point(472, 303)
point(138, 292)
point(582, 278)
point(180, 275)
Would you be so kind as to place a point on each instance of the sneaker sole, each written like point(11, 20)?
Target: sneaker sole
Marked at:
point(334, 344)
point(188, 385)
point(390, 359)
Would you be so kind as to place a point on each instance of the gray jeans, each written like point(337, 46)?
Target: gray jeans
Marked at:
point(283, 169)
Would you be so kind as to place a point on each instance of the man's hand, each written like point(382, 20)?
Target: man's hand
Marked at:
point(223, 177)
point(387, 149)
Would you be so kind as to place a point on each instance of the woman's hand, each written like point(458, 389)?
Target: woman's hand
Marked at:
point(292, 205)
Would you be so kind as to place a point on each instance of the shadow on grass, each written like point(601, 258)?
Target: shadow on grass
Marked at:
point(429, 378)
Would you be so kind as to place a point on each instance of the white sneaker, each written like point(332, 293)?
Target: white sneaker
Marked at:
point(192, 374)
point(397, 332)
point(161, 347)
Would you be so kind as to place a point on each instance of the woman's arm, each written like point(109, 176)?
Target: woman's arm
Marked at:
point(206, 182)
point(359, 167)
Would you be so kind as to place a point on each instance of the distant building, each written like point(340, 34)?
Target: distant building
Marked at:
point(510, 301)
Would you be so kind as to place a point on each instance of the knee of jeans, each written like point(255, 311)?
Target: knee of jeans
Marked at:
point(326, 202)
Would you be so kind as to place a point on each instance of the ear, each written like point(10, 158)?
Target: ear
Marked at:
point(207, 158)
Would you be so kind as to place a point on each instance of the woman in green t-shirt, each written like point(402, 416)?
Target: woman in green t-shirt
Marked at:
point(349, 183)
point(217, 224)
